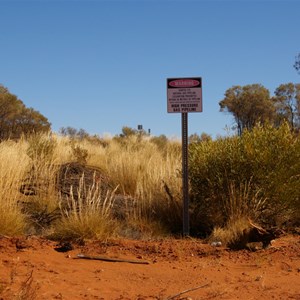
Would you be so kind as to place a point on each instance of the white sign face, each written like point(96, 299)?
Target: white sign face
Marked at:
point(184, 95)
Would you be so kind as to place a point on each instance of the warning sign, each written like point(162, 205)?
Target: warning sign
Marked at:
point(184, 95)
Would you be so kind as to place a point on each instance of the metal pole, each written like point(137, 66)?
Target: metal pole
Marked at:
point(185, 183)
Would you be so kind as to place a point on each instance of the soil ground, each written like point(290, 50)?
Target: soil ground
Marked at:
point(30, 268)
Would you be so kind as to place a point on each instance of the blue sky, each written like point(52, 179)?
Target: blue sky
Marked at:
point(101, 65)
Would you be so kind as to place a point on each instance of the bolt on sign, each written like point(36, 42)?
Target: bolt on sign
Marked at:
point(184, 95)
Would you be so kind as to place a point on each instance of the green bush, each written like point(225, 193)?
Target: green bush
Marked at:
point(257, 175)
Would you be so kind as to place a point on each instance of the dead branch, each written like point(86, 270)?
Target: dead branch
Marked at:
point(109, 259)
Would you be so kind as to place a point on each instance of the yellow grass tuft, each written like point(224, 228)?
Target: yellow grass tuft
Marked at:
point(231, 232)
point(87, 216)
point(13, 165)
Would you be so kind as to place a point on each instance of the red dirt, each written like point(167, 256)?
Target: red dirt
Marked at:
point(30, 268)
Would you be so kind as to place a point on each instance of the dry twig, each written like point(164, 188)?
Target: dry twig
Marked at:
point(186, 291)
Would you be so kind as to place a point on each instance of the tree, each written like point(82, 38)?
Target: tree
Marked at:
point(10, 108)
point(3, 89)
point(250, 104)
point(195, 138)
point(128, 131)
point(73, 133)
point(297, 63)
point(68, 131)
point(16, 119)
point(287, 104)
point(31, 121)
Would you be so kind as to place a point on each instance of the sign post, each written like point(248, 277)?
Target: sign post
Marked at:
point(184, 96)
point(185, 174)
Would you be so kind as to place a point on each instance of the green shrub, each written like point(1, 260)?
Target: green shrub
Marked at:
point(256, 174)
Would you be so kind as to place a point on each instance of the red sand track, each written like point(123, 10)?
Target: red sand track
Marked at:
point(30, 268)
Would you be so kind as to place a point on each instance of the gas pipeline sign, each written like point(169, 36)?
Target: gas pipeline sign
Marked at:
point(184, 95)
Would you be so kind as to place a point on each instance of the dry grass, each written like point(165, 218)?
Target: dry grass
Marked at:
point(142, 171)
point(242, 202)
point(228, 184)
point(87, 226)
point(147, 174)
point(13, 165)
point(239, 207)
point(142, 228)
point(231, 232)
point(28, 289)
point(137, 166)
point(88, 216)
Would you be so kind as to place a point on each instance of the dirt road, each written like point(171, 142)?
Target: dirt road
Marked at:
point(30, 269)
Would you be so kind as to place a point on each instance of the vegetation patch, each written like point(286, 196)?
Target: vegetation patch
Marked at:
point(131, 185)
